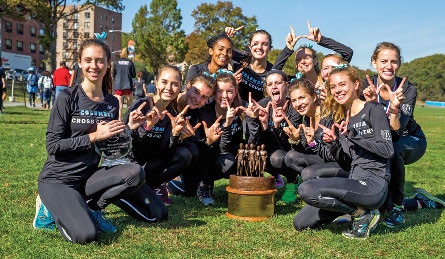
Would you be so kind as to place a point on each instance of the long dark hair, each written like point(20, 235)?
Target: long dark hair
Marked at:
point(107, 82)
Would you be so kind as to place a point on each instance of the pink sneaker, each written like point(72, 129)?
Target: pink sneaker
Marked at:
point(162, 193)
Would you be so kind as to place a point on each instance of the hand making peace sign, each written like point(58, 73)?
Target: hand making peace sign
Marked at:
point(214, 132)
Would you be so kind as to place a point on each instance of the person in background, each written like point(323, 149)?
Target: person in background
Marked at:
point(140, 91)
point(123, 74)
point(2, 87)
point(151, 88)
point(73, 189)
point(46, 83)
point(76, 76)
point(61, 78)
point(32, 82)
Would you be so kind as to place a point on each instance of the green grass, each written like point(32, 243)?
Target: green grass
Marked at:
point(194, 231)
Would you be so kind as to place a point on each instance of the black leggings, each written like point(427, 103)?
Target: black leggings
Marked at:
point(298, 161)
point(324, 170)
point(275, 165)
point(144, 204)
point(67, 202)
point(219, 166)
point(327, 198)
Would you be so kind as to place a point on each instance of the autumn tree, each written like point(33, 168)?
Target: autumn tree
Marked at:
point(211, 19)
point(159, 39)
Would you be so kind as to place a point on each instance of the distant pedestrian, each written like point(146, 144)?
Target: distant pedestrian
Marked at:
point(151, 88)
point(61, 78)
point(140, 91)
point(46, 85)
point(2, 86)
point(76, 76)
point(123, 74)
point(32, 86)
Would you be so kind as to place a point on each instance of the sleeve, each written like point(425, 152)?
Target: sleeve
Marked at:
point(381, 143)
point(407, 107)
point(132, 70)
point(282, 58)
point(345, 51)
point(58, 136)
point(226, 138)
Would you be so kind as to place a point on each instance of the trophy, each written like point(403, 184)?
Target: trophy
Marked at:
point(114, 150)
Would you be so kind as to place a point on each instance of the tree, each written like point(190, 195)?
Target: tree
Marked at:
point(211, 19)
point(158, 37)
point(49, 12)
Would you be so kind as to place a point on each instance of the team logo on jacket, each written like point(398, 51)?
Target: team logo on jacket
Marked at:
point(386, 135)
point(407, 109)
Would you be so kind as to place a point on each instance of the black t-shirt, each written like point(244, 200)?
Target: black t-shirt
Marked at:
point(71, 155)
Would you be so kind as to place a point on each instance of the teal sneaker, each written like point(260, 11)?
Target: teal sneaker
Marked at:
point(363, 226)
point(427, 200)
point(102, 224)
point(290, 193)
point(43, 218)
point(396, 216)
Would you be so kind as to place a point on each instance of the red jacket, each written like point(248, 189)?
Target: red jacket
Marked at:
point(61, 77)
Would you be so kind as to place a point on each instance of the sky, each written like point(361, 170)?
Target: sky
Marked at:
point(417, 27)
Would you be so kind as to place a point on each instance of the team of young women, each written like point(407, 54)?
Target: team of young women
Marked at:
point(326, 126)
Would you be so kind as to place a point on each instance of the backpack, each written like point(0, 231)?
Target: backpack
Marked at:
point(33, 80)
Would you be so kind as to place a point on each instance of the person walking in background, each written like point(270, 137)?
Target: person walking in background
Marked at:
point(46, 85)
point(2, 86)
point(140, 91)
point(32, 82)
point(61, 78)
point(151, 88)
point(76, 76)
point(123, 74)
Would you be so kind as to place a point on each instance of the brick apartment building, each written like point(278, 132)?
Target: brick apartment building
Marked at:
point(20, 38)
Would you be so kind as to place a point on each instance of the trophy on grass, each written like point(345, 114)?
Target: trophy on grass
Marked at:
point(114, 150)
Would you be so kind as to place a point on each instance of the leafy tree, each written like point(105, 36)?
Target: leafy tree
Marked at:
point(211, 19)
point(49, 12)
point(158, 37)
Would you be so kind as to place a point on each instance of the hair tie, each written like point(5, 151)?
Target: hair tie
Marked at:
point(224, 71)
point(298, 76)
point(344, 65)
point(309, 45)
point(210, 75)
point(101, 36)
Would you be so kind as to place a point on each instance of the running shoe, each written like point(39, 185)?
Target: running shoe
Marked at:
point(175, 187)
point(396, 216)
point(362, 226)
point(43, 218)
point(162, 193)
point(102, 223)
point(204, 194)
point(279, 182)
point(290, 194)
point(427, 200)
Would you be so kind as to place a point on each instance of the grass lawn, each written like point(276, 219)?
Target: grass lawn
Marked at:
point(195, 231)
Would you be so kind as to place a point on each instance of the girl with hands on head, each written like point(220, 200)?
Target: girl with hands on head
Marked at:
point(397, 96)
point(223, 133)
point(72, 186)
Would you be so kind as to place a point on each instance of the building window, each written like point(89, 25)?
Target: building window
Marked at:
point(65, 45)
point(19, 45)
point(76, 25)
point(101, 27)
point(33, 62)
point(75, 55)
point(19, 28)
point(8, 26)
point(32, 47)
point(76, 16)
point(41, 51)
point(87, 15)
point(101, 17)
point(86, 25)
point(75, 35)
point(112, 20)
point(65, 55)
point(86, 35)
point(65, 35)
point(65, 24)
point(75, 45)
point(41, 31)
point(8, 44)
point(33, 31)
